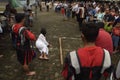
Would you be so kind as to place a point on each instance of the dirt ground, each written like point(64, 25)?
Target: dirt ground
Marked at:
point(56, 27)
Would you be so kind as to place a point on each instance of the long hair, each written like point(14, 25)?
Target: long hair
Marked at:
point(43, 31)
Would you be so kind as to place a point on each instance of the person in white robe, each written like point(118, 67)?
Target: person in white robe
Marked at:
point(42, 44)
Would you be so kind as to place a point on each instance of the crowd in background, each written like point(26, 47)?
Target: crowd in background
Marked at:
point(107, 12)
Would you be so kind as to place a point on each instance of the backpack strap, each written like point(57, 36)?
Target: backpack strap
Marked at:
point(21, 30)
point(13, 27)
point(106, 61)
point(22, 37)
point(75, 62)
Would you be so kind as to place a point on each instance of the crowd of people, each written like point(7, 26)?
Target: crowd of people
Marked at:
point(108, 13)
point(100, 32)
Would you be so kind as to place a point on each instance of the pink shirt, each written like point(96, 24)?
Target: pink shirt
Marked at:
point(104, 40)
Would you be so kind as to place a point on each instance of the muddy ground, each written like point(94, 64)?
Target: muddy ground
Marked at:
point(56, 27)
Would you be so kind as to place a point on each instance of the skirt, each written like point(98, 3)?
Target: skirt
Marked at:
point(25, 56)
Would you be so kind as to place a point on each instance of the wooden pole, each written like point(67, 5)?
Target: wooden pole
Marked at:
point(61, 55)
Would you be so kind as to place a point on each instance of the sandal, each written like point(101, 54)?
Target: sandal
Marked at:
point(46, 58)
point(41, 57)
point(31, 73)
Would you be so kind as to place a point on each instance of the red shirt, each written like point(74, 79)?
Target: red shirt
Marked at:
point(26, 33)
point(63, 11)
point(104, 40)
point(90, 56)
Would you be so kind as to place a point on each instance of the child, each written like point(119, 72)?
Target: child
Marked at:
point(31, 18)
point(42, 44)
point(63, 11)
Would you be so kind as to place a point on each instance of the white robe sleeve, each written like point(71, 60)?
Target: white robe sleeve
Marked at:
point(43, 39)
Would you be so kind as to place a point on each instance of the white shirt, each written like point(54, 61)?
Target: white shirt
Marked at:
point(83, 12)
point(74, 8)
point(97, 8)
point(43, 39)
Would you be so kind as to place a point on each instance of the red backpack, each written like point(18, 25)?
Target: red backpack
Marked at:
point(73, 69)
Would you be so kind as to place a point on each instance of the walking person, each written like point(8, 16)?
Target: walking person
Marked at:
point(22, 38)
point(27, 9)
point(47, 6)
point(42, 44)
point(104, 39)
point(116, 37)
point(63, 11)
point(81, 15)
point(68, 12)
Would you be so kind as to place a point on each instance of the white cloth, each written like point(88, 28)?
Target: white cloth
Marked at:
point(74, 8)
point(27, 7)
point(42, 44)
point(1, 30)
point(97, 9)
point(118, 70)
point(83, 12)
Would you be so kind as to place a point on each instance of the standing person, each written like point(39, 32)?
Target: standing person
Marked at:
point(81, 15)
point(31, 18)
point(47, 6)
point(99, 15)
point(7, 14)
point(27, 8)
point(73, 10)
point(63, 11)
point(7, 10)
point(68, 11)
point(89, 62)
point(108, 17)
point(104, 39)
point(116, 37)
point(117, 18)
point(22, 38)
point(42, 44)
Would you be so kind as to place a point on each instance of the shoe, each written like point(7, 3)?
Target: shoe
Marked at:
point(46, 58)
point(41, 57)
point(31, 73)
point(1, 56)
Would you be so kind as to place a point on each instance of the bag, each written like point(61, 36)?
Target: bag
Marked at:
point(18, 39)
point(73, 69)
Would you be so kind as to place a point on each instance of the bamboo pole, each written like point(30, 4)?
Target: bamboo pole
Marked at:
point(61, 55)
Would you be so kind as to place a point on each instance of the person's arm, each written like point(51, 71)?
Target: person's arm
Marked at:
point(29, 35)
